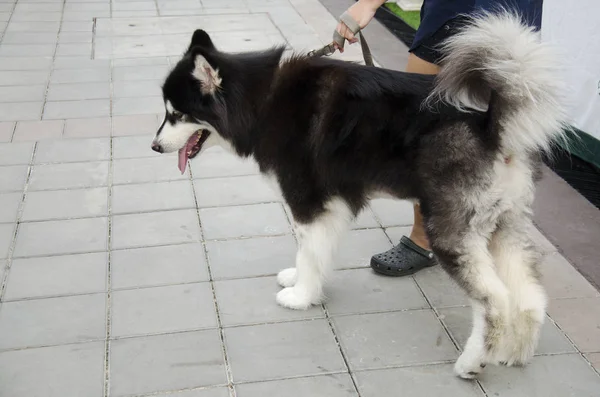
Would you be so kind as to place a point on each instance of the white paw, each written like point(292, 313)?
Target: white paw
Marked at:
point(468, 366)
point(295, 298)
point(287, 277)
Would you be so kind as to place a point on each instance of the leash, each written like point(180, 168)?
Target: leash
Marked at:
point(340, 41)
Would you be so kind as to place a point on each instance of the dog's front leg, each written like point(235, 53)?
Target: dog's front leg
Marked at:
point(317, 243)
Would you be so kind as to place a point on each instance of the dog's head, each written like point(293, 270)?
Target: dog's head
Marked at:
point(193, 103)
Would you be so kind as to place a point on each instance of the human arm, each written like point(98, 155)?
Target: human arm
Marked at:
point(362, 12)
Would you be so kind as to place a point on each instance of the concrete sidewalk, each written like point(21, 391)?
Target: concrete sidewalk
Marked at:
point(120, 277)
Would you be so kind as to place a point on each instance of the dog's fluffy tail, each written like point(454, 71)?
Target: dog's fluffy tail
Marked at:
point(496, 60)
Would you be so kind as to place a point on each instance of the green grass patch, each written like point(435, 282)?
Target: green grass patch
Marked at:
point(412, 18)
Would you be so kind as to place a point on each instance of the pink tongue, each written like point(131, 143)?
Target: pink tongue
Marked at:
point(183, 158)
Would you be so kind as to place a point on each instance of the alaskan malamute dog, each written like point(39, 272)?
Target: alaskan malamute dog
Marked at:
point(466, 144)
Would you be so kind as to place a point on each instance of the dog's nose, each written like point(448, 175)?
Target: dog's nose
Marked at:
point(157, 148)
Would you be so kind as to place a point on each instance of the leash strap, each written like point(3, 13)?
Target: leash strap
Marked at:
point(340, 41)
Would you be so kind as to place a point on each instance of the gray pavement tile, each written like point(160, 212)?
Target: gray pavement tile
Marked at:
point(138, 5)
point(439, 288)
point(52, 321)
point(542, 243)
point(29, 38)
point(239, 190)
point(373, 341)
point(565, 375)
point(119, 62)
point(365, 220)
point(82, 16)
point(154, 266)
point(157, 228)
point(73, 150)
point(87, 6)
point(7, 232)
point(244, 221)
point(31, 26)
point(358, 246)
point(75, 37)
point(162, 309)
point(148, 197)
point(393, 212)
point(77, 109)
point(458, 321)
point(22, 93)
point(69, 175)
point(145, 124)
point(20, 111)
point(15, 153)
point(283, 349)
point(144, 88)
point(78, 91)
point(336, 385)
point(363, 291)
point(87, 128)
point(9, 205)
point(58, 371)
point(23, 77)
point(36, 16)
point(562, 280)
point(251, 257)
point(12, 178)
point(74, 49)
point(135, 146)
point(38, 130)
point(166, 362)
point(26, 63)
point(65, 204)
point(135, 106)
point(258, 297)
point(218, 163)
point(62, 237)
point(39, 7)
point(6, 131)
point(594, 359)
point(132, 13)
point(23, 50)
point(430, 380)
point(57, 275)
point(80, 63)
point(97, 74)
point(77, 26)
point(396, 233)
point(204, 392)
point(580, 319)
point(154, 169)
point(140, 72)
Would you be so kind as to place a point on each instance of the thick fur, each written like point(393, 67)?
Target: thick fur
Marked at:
point(333, 134)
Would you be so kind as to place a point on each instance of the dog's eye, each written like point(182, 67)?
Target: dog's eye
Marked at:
point(177, 115)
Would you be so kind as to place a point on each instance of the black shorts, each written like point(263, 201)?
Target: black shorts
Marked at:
point(441, 19)
point(428, 49)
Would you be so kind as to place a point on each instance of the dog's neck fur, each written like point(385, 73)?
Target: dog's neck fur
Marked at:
point(247, 83)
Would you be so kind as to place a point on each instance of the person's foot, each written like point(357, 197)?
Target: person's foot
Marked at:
point(407, 258)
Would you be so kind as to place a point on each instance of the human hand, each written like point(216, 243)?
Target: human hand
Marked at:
point(362, 12)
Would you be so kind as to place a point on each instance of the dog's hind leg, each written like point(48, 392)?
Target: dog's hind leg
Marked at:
point(516, 259)
point(317, 243)
point(470, 263)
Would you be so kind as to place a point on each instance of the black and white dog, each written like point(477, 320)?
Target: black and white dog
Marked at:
point(466, 144)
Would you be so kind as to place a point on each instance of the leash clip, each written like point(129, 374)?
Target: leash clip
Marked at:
point(324, 51)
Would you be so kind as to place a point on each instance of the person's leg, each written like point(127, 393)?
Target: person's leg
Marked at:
point(421, 66)
point(412, 253)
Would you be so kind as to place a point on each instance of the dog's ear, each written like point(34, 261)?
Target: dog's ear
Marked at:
point(201, 39)
point(208, 76)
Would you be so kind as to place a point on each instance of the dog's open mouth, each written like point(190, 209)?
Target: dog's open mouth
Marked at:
point(192, 148)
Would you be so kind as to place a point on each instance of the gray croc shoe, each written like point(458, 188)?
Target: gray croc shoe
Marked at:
point(404, 259)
